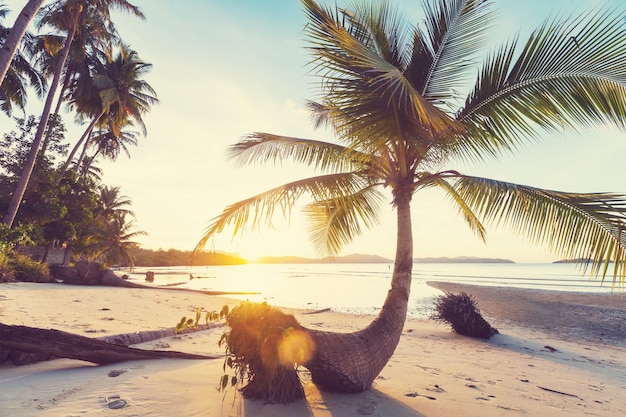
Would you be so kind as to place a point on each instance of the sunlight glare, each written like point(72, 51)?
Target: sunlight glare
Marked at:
point(296, 346)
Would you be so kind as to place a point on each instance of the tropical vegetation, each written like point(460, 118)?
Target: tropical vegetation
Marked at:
point(392, 93)
point(85, 29)
point(77, 59)
point(77, 212)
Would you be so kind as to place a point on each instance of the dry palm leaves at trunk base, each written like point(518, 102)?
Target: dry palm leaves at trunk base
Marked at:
point(461, 312)
point(265, 347)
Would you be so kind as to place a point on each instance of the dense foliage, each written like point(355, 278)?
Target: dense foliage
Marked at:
point(76, 58)
point(15, 266)
point(55, 209)
point(73, 210)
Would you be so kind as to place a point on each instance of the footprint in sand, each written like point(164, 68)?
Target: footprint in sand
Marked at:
point(115, 402)
point(435, 388)
point(489, 398)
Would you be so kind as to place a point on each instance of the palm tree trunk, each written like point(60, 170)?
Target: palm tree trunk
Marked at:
point(81, 158)
point(49, 246)
point(87, 164)
point(78, 144)
point(27, 171)
point(57, 109)
point(7, 51)
point(349, 362)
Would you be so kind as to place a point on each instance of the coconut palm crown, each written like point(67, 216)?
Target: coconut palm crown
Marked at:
point(390, 91)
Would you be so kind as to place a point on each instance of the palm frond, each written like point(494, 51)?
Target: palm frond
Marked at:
point(440, 180)
point(336, 222)
point(456, 32)
point(319, 114)
point(571, 73)
point(573, 225)
point(261, 208)
point(369, 93)
point(259, 148)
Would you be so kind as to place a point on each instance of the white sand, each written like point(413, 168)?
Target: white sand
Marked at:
point(433, 373)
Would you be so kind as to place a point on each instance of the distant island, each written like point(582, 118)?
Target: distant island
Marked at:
point(462, 260)
point(173, 257)
point(576, 261)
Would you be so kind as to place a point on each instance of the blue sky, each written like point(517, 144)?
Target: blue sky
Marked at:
point(223, 69)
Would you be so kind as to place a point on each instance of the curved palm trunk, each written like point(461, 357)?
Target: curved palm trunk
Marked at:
point(78, 144)
point(81, 158)
point(20, 189)
point(87, 163)
point(10, 45)
point(57, 109)
point(349, 362)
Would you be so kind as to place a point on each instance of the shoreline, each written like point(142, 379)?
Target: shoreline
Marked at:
point(433, 372)
point(592, 317)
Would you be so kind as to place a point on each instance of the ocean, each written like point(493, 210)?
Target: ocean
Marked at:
point(361, 288)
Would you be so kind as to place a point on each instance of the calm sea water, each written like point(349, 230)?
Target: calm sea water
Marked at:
point(361, 288)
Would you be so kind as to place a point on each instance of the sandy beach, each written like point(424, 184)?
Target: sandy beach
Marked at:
point(557, 354)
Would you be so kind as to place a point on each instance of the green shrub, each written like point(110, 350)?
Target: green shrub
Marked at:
point(26, 269)
point(6, 274)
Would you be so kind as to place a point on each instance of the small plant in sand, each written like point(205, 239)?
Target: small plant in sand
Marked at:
point(209, 317)
point(461, 312)
point(265, 347)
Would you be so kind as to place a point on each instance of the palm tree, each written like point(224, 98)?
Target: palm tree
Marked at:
point(19, 75)
point(108, 238)
point(118, 97)
point(113, 204)
point(12, 41)
point(110, 241)
point(391, 93)
point(108, 144)
point(72, 13)
point(89, 171)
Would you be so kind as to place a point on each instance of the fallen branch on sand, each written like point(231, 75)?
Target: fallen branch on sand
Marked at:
point(133, 338)
point(46, 343)
point(323, 310)
point(558, 392)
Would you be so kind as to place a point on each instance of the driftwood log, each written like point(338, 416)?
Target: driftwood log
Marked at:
point(59, 344)
point(127, 339)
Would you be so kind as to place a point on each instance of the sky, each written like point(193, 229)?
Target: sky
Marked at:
point(223, 69)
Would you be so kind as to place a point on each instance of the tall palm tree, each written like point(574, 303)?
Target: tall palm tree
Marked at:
point(20, 74)
point(73, 13)
point(119, 96)
point(391, 93)
point(12, 42)
point(94, 34)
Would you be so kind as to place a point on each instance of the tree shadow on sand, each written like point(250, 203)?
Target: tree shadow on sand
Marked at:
point(370, 402)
